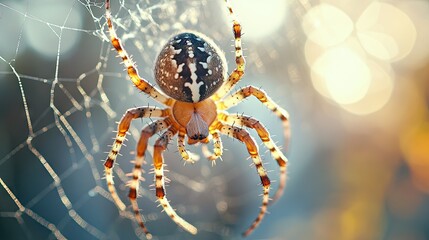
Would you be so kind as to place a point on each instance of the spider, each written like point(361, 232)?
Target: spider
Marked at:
point(192, 73)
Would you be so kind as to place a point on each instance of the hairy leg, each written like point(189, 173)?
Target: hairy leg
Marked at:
point(158, 163)
point(243, 136)
point(217, 148)
point(264, 135)
point(240, 63)
point(245, 92)
point(123, 126)
point(132, 71)
point(187, 156)
point(146, 133)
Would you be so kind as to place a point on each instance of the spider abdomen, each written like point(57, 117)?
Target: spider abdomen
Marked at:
point(190, 67)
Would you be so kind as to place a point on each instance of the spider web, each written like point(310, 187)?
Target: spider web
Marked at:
point(61, 92)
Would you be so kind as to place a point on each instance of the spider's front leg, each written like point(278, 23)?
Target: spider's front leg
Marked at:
point(264, 135)
point(158, 163)
point(132, 71)
point(240, 62)
point(243, 136)
point(123, 126)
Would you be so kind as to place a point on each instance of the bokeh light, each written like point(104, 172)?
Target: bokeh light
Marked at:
point(350, 61)
point(417, 11)
point(386, 32)
point(260, 18)
point(42, 37)
point(416, 149)
point(379, 90)
point(345, 74)
point(327, 25)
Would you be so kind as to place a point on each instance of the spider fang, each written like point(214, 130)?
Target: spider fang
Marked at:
point(197, 129)
point(196, 118)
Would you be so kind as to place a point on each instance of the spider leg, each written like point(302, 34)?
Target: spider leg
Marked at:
point(132, 71)
point(243, 136)
point(217, 150)
point(187, 156)
point(123, 127)
point(260, 94)
point(238, 72)
point(158, 163)
point(264, 135)
point(146, 133)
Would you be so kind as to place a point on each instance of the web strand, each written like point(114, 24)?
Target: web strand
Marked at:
point(65, 111)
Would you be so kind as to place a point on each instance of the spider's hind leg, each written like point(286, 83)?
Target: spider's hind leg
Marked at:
point(237, 98)
point(123, 127)
point(243, 136)
point(134, 183)
point(264, 135)
point(158, 163)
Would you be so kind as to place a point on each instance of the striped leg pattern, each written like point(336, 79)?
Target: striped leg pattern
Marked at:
point(217, 148)
point(138, 81)
point(245, 92)
point(264, 135)
point(158, 163)
point(243, 136)
point(123, 127)
point(238, 72)
point(187, 156)
point(146, 133)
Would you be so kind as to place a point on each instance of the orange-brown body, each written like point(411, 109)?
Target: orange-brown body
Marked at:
point(205, 110)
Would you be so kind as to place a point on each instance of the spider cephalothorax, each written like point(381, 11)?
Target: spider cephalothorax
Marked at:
point(191, 70)
point(196, 118)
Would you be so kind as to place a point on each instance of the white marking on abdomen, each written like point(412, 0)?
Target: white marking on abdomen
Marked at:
point(204, 64)
point(194, 86)
point(180, 68)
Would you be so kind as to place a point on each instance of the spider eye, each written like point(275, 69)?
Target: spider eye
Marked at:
point(190, 67)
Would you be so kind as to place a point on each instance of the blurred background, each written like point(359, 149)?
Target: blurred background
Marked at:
point(354, 76)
